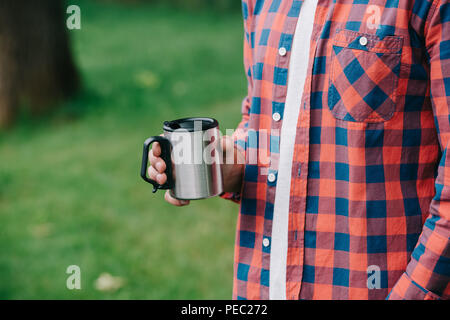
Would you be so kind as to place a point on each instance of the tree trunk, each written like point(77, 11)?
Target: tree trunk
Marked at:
point(36, 64)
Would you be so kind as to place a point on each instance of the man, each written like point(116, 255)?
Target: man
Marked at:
point(349, 197)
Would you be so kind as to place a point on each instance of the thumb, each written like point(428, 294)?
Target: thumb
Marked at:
point(229, 147)
point(227, 143)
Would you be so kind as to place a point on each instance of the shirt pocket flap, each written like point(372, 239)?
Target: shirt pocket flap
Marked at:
point(370, 42)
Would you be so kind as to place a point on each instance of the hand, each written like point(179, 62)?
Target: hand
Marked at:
point(232, 173)
point(156, 172)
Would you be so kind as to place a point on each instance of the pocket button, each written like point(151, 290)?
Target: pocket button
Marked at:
point(363, 41)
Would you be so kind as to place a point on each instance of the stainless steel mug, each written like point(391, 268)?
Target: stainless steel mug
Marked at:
point(192, 152)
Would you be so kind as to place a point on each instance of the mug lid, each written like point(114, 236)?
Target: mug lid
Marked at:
point(190, 124)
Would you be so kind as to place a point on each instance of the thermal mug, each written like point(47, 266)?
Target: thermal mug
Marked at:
point(191, 149)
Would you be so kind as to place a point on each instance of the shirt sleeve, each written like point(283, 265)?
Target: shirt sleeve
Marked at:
point(240, 134)
point(428, 273)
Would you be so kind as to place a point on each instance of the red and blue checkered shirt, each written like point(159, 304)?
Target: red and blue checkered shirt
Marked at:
point(370, 183)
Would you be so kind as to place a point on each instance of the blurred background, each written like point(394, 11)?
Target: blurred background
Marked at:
point(75, 108)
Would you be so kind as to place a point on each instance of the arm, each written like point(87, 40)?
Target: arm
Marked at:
point(241, 131)
point(428, 273)
point(240, 135)
point(233, 173)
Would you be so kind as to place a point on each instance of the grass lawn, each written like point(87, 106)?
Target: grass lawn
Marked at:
point(70, 191)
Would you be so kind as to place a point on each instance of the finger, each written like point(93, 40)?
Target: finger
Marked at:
point(153, 159)
point(152, 173)
point(156, 148)
point(161, 178)
point(230, 155)
point(160, 165)
point(175, 202)
point(227, 143)
point(157, 163)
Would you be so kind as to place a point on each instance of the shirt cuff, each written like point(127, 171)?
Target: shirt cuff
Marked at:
point(233, 196)
point(407, 289)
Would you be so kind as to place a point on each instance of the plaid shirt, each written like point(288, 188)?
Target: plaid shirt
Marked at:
point(370, 188)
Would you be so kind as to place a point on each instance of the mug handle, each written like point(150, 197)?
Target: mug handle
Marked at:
point(166, 149)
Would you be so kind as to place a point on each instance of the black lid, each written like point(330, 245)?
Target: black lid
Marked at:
point(188, 124)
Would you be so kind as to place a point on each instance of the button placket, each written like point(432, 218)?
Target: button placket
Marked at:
point(272, 177)
point(276, 116)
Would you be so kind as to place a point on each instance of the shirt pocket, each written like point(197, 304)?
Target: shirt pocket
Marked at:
point(364, 76)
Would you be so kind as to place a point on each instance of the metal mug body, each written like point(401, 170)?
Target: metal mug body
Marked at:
point(196, 163)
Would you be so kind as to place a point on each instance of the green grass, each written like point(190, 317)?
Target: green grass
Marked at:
point(70, 191)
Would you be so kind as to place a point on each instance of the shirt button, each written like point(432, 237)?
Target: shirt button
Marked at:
point(363, 41)
point(272, 177)
point(266, 242)
point(276, 116)
point(282, 51)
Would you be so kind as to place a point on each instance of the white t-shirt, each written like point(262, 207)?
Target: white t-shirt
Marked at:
point(298, 66)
